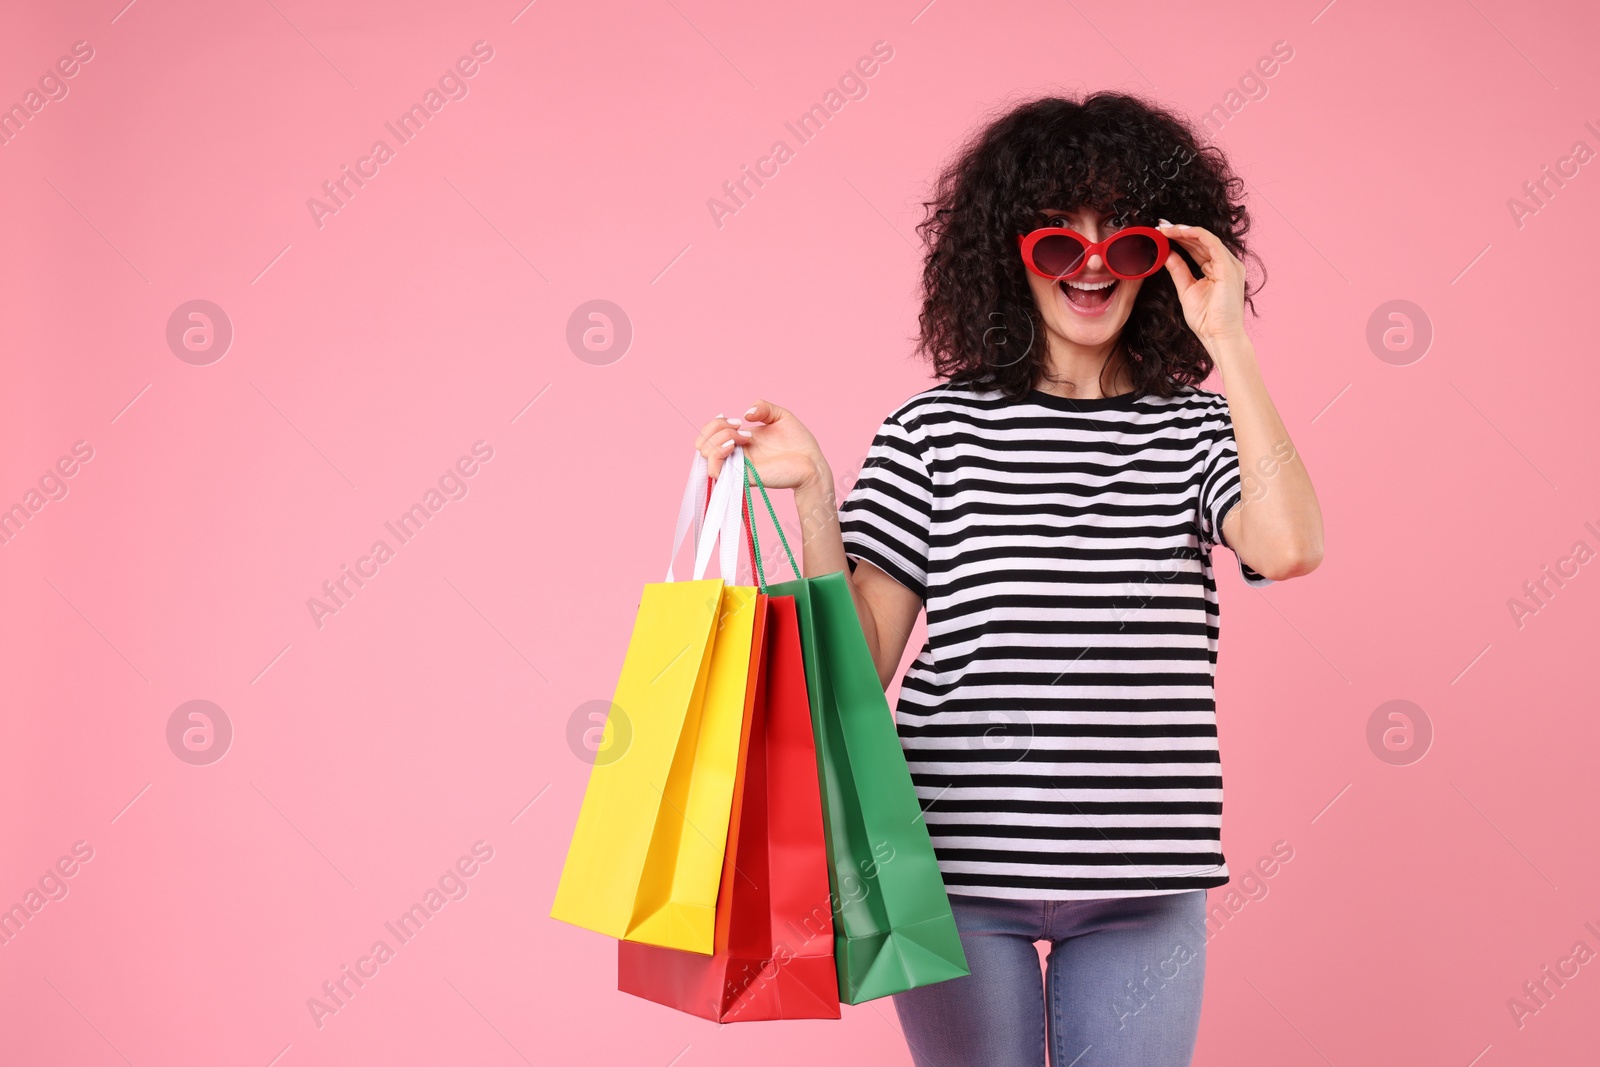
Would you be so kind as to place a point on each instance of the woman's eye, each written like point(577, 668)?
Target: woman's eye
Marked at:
point(1057, 220)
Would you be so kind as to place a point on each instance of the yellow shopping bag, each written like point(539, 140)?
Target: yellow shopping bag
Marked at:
point(646, 856)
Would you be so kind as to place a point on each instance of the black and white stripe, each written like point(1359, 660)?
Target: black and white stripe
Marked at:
point(1059, 722)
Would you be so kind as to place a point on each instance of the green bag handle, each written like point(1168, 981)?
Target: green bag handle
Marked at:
point(755, 542)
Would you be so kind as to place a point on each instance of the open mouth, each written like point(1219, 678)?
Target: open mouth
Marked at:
point(1088, 296)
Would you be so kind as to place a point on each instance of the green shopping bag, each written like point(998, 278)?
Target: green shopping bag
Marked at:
point(892, 925)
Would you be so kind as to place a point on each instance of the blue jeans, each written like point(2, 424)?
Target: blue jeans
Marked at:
point(1123, 985)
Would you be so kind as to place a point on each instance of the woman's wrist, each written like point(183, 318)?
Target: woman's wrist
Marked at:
point(818, 479)
point(1234, 357)
point(1230, 348)
point(814, 501)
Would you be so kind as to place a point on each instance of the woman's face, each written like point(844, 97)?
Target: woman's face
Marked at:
point(1091, 308)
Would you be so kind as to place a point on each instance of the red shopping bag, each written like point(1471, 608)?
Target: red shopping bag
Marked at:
point(773, 954)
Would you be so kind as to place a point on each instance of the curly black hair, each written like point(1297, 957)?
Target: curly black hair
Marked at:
point(1111, 151)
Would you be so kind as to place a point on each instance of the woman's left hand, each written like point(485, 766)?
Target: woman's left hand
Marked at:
point(1213, 304)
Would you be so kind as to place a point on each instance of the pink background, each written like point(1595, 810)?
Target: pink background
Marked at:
point(432, 711)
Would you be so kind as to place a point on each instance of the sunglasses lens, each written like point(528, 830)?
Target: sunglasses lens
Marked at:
point(1132, 255)
point(1058, 255)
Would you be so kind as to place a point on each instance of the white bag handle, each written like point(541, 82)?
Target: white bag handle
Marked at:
point(723, 518)
point(691, 510)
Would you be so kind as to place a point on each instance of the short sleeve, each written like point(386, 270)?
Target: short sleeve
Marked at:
point(886, 517)
point(1221, 490)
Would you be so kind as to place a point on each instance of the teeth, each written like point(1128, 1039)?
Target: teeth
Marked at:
point(1096, 285)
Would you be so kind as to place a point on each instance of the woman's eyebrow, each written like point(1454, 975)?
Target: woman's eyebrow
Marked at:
point(1059, 211)
point(1107, 215)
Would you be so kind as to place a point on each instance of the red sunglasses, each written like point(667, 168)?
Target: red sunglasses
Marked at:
point(1056, 253)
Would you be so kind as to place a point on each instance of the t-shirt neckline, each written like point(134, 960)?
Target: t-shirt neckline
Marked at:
point(1067, 403)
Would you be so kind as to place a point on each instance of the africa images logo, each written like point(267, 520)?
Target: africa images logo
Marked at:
point(452, 885)
point(452, 485)
point(451, 85)
point(852, 85)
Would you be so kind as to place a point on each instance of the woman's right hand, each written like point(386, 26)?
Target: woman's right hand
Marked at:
point(783, 451)
point(786, 456)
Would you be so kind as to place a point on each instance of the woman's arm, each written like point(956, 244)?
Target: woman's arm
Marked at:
point(787, 456)
point(1277, 526)
point(887, 609)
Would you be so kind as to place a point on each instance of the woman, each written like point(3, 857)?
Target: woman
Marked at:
point(1054, 502)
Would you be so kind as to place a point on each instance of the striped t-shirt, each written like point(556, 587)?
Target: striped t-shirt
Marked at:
point(1059, 722)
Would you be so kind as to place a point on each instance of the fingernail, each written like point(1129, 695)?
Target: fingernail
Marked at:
point(750, 410)
point(744, 433)
point(733, 422)
point(728, 443)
